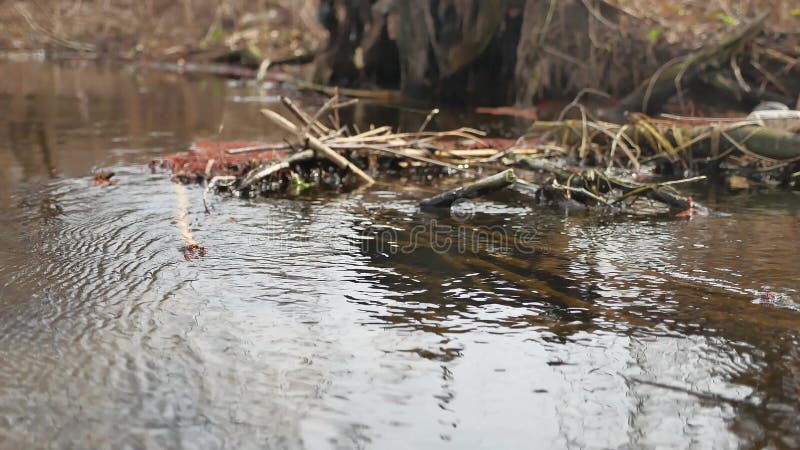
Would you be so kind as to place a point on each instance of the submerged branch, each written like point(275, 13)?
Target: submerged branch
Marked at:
point(473, 190)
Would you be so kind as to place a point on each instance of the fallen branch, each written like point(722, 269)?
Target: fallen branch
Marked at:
point(596, 185)
point(405, 153)
point(265, 170)
point(304, 118)
point(316, 144)
point(258, 148)
point(579, 190)
point(473, 190)
point(659, 192)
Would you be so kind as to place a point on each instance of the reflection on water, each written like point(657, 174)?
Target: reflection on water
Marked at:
point(327, 322)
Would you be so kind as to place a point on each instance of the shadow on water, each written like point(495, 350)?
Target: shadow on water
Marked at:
point(355, 320)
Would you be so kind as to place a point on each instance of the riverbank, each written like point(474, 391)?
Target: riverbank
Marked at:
point(608, 46)
point(165, 31)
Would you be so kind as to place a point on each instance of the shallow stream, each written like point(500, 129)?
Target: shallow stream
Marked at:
point(355, 320)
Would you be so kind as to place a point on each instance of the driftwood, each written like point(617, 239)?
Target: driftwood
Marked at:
point(317, 145)
point(660, 192)
point(472, 190)
point(304, 118)
point(593, 185)
point(265, 170)
point(574, 154)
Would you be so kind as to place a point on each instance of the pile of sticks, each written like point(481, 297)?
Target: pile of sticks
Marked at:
point(592, 164)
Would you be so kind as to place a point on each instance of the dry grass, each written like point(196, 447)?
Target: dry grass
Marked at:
point(695, 21)
point(278, 28)
point(281, 28)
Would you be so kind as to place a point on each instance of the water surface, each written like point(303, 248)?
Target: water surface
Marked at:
point(353, 320)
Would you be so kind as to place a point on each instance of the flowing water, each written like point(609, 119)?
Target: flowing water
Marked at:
point(353, 320)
